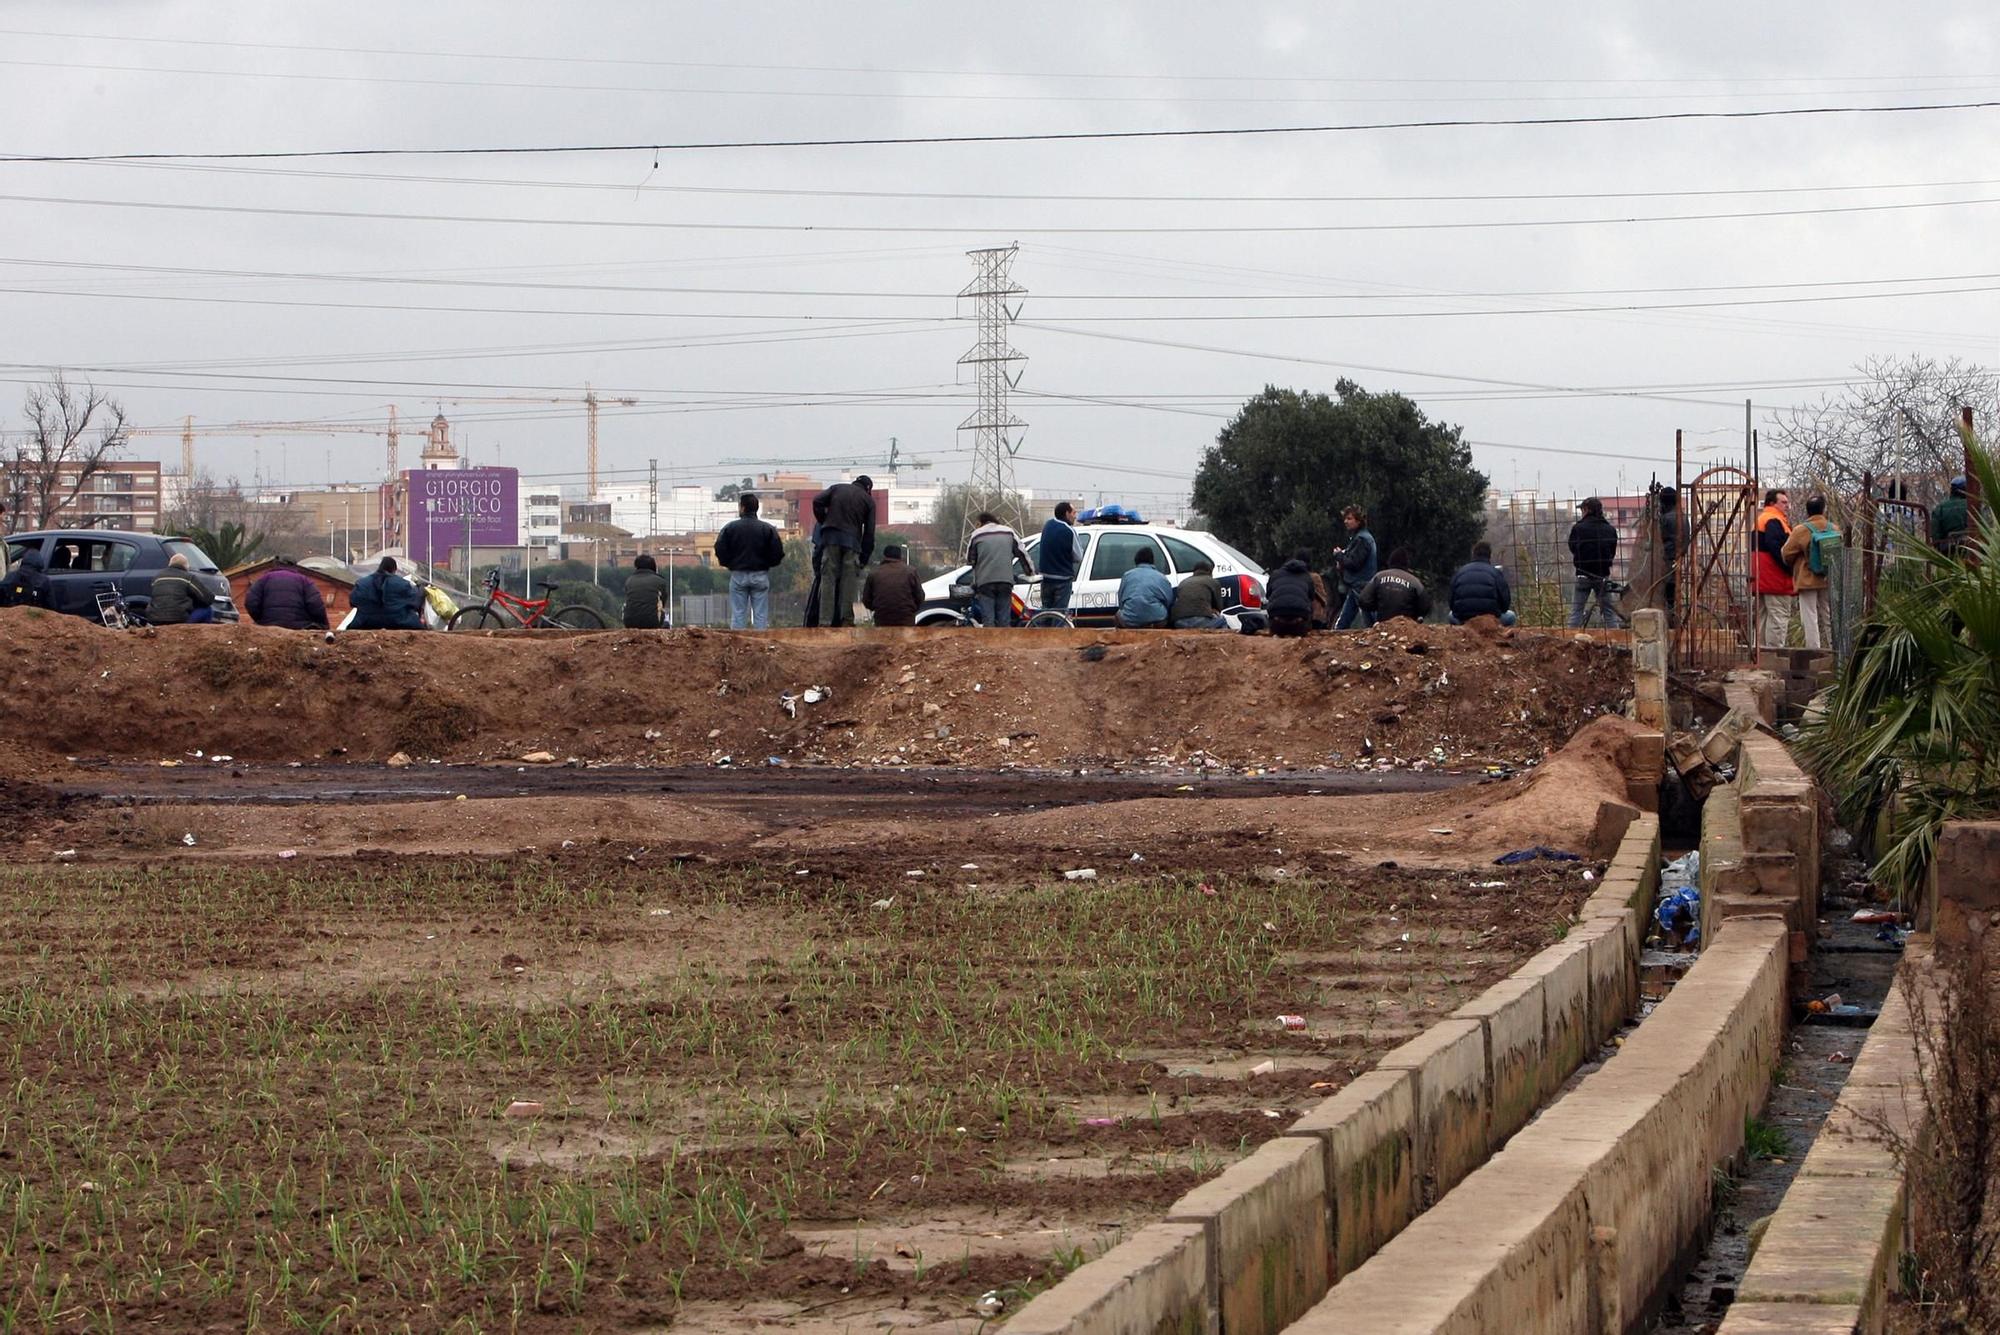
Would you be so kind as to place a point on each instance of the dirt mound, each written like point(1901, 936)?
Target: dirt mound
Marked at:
point(1430, 694)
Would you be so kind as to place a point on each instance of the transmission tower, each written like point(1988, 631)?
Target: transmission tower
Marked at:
point(992, 423)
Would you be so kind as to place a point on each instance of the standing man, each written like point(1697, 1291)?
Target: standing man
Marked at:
point(893, 592)
point(1059, 553)
point(1951, 521)
point(1357, 562)
point(846, 514)
point(645, 595)
point(1774, 581)
point(1674, 539)
point(285, 596)
point(1593, 546)
point(1809, 553)
point(750, 549)
point(992, 553)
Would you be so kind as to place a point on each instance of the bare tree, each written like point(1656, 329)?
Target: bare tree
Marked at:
point(71, 433)
point(1899, 416)
point(207, 506)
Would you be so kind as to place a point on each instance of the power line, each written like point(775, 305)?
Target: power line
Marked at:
point(645, 224)
point(1052, 136)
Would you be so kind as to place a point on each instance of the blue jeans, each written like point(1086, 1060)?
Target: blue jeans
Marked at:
point(1201, 623)
point(1350, 612)
point(1055, 594)
point(750, 599)
point(1506, 619)
point(995, 604)
point(1579, 608)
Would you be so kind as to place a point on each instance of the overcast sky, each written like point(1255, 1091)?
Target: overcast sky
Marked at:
point(839, 329)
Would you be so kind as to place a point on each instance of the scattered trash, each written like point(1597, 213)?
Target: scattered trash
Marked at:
point(1445, 829)
point(789, 703)
point(1406, 937)
point(1323, 1084)
point(1138, 857)
point(968, 866)
point(286, 855)
point(188, 839)
point(724, 762)
point(401, 760)
point(1489, 885)
point(1208, 889)
point(1682, 871)
point(1539, 852)
point(775, 762)
point(654, 734)
point(1876, 916)
point(1100, 1121)
point(169, 764)
point(65, 855)
point(1589, 875)
point(1081, 874)
point(659, 913)
point(883, 903)
point(1840, 1058)
point(1265, 1067)
point(990, 1304)
point(915, 873)
point(524, 1108)
point(1679, 915)
point(1291, 1022)
point(814, 694)
point(1825, 1005)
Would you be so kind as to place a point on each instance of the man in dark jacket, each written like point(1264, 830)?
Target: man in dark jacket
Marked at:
point(1288, 597)
point(1593, 545)
point(1951, 520)
point(893, 591)
point(1057, 556)
point(1479, 589)
point(27, 584)
point(286, 596)
point(846, 515)
point(645, 594)
point(384, 600)
point(750, 549)
point(1395, 592)
point(1198, 601)
point(177, 598)
point(1675, 537)
point(1357, 562)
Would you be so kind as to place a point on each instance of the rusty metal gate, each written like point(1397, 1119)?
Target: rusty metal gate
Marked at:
point(1714, 594)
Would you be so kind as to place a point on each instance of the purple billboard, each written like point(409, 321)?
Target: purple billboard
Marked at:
point(442, 499)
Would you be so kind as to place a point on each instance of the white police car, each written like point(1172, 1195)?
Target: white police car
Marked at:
point(1111, 537)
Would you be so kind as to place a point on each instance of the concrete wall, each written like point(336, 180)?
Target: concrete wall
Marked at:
point(1574, 1224)
point(1760, 838)
point(1831, 1256)
point(1276, 1229)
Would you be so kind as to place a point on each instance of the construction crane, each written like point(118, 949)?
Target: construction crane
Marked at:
point(187, 432)
point(590, 401)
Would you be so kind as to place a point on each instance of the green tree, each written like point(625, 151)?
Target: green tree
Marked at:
point(960, 504)
point(228, 545)
point(1916, 712)
point(1281, 471)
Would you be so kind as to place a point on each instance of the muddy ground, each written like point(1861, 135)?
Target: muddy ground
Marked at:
point(1429, 694)
point(824, 1044)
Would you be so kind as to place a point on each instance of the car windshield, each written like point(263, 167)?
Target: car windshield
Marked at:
point(197, 558)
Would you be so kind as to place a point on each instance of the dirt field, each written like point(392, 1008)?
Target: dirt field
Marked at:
point(259, 1095)
point(824, 1045)
point(1056, 698)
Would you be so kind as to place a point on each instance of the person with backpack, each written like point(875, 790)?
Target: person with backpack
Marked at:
point(1809, 553)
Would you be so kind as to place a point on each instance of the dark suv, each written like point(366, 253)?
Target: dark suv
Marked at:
point(85, 562)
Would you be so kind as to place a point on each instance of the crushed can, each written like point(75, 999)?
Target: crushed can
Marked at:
point(1291, 1022)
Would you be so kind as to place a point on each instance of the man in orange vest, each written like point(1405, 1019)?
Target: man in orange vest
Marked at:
point(1774, 579)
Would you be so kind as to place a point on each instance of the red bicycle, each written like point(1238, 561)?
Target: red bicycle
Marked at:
point(502, 609)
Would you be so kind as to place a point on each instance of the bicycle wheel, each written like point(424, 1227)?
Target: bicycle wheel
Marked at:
point(1050, 619)
point(577, 617)
point(476, 618)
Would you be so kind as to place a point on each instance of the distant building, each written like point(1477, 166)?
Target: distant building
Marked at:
point(123, 494)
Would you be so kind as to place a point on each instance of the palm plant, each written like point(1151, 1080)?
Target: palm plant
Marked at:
point(1915, 715)
point(228, 545)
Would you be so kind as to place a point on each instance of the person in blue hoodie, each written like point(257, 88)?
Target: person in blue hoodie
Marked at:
point(1145, 596)
point(1057, 556)
point(384, 600)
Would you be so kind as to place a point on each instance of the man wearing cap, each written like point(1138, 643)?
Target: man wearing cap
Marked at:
point(1593, 546)
point(1951, 520)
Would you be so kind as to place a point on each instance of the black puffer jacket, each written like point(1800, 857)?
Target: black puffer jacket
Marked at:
point(1593, 543)
point(27, 584)
point(1288, 592)
point(749, 544)
point(1479, 589)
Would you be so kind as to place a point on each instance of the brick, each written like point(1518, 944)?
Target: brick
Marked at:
point(1564, 969)
point(1516, 1048)
point(1449, 1062)
point(1157, 1281)
point(1833, 1240)
point(1614, 976)
point(1369, 1132)
point(1720, 743)
point(1266, 1219)
point(1790, 1319)
point(1964, 893)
